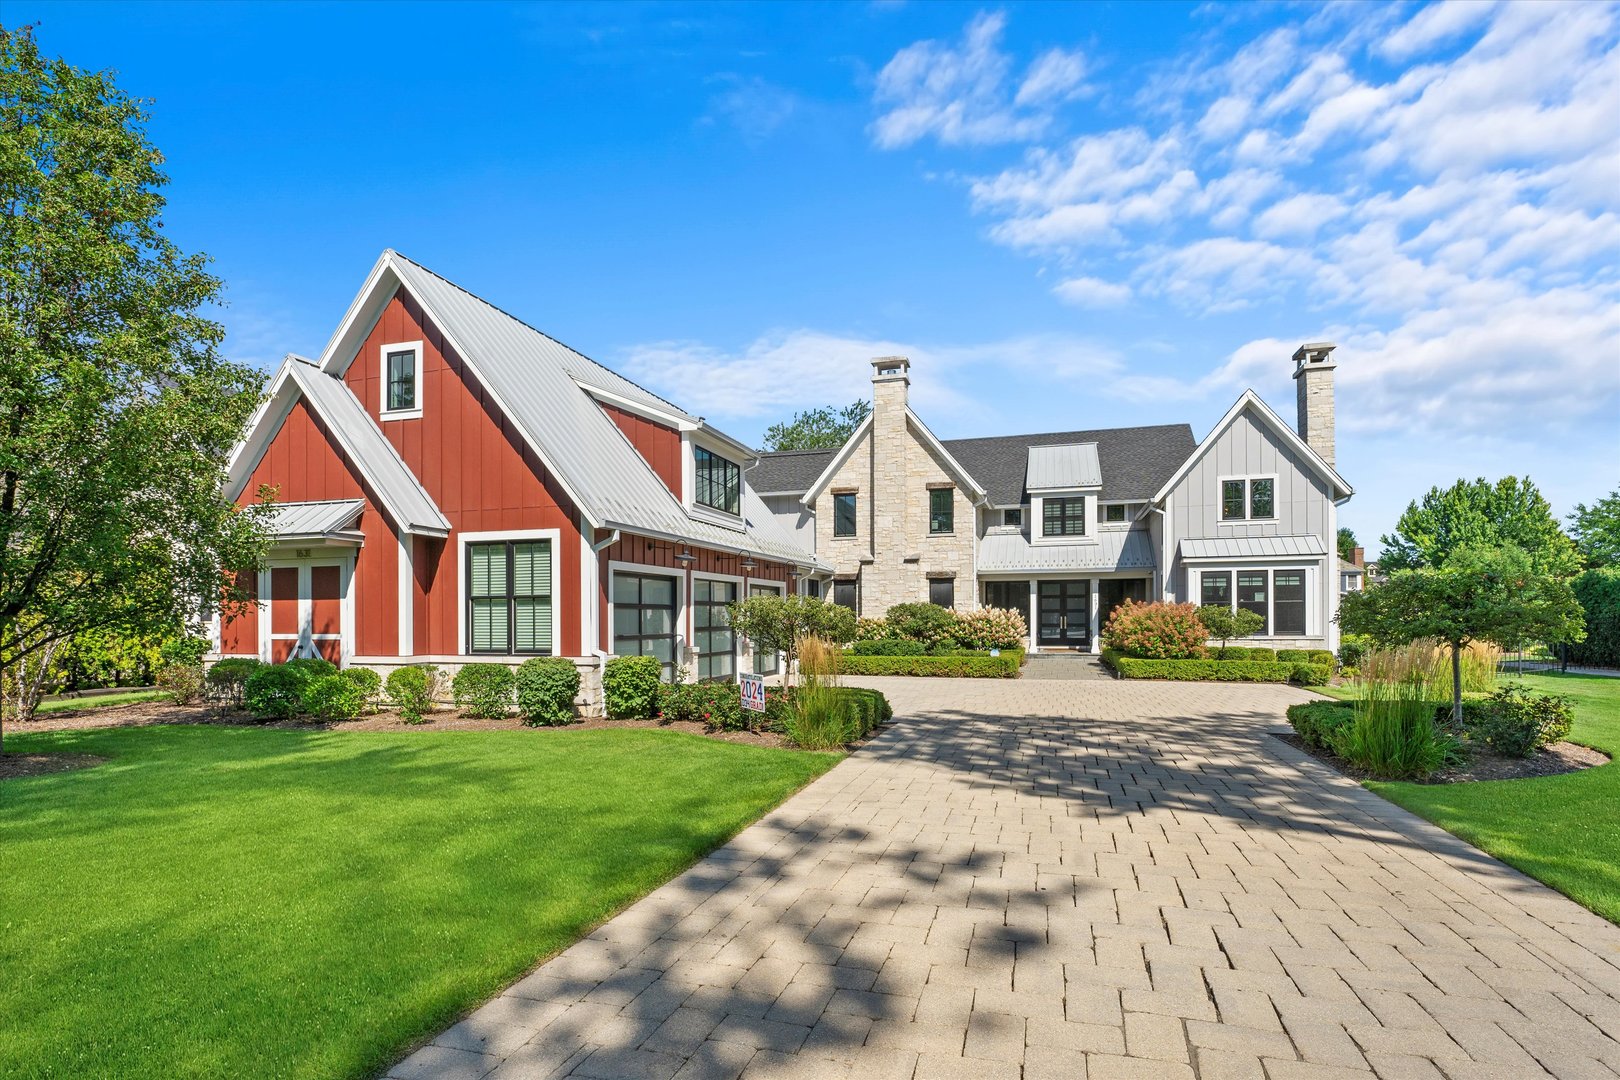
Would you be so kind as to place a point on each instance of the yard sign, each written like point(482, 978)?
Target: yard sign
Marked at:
point(753, 692)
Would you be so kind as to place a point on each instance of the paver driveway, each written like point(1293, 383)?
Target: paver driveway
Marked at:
point(1063, 879)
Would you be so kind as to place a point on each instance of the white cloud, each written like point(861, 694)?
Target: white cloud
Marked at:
point(755, 107)
point(1092, 292)
point(1298, 216)
point(1434, 24)
point(964, 94)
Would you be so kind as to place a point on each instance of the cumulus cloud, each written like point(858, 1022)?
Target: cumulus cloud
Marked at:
point(1092, 292)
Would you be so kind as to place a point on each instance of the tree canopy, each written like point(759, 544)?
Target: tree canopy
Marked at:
point(1494, 594)
point(1511, 512)
point(117, 412)
point(777, 623)
point(1596, 530)
point(825, 428)
point(1347, 544)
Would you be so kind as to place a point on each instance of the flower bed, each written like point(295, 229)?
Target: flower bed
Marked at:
point(962, 665)
point(1211, 670)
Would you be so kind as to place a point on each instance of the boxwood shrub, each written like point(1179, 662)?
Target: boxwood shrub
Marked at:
point(1307, 656)
point(484, 691)
point(368, 682)
point(1210, 670)
point(630, 687)
point(410, 689)
point(334, 697)
point(959, 666)
point(546, 686)
point(227, 679)
point(1319, 723)
point(275, 691)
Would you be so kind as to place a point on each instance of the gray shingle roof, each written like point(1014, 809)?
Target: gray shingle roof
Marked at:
point(1135, 461)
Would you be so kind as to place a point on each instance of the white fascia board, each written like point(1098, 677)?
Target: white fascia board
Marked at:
point(707, 431)
point(837, 462)
point(951, 464)
point(261, 429)
point(639, 408)
point(379, 288)
point(1342, 490)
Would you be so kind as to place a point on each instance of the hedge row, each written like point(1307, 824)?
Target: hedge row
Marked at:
point(1599, 594)
point(971, 666)
point(1260, 652)
point(1219, 670)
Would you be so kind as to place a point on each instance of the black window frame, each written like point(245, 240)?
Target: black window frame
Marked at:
point(1262, 606)
point(1242, 504)
point(942, 586)
point(712, 474)
point(1070, 516)
point(1110, 509)
point(846, 511)
point(511, 597)
point(1210, 577)
point(1296, 607)
point(666, 668)
point(393, 381)
point(1013, 516)
point(704, 612)
point(1271, 496)
point(941, 521)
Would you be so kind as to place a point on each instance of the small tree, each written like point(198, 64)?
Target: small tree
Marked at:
point(1347, 544)
point(777, 622)
point(825, 428)
point(1480, 594)
point(1227, 623)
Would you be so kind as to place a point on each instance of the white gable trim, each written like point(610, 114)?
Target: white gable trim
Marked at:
point(952, 466)
point(1279, 427)
point(837, 462)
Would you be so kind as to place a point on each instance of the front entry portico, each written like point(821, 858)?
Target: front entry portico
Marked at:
point(1063, 614)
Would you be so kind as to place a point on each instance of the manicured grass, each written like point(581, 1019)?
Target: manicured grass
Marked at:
point(1563, 830)
point(233, 901)
point(99, 701)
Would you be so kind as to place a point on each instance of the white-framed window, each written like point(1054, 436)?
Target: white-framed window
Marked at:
point(1013, 515)
point(1248, 498)
point(509, 595)
point(717, 481)
point(1116, 513)
point(1279, 595)
point(401, 381)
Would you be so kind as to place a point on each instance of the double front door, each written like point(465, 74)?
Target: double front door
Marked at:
point(1063, 614)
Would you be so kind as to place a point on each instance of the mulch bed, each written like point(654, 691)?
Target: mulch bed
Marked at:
point(160, 712)
point(1554, 760)
point(13, 766)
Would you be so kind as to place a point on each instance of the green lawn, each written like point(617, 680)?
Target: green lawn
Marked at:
point(235, 901)
point(99, 701)
point(1563, 830)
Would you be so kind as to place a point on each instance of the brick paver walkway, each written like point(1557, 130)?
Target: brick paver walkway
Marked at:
point(1071, 879)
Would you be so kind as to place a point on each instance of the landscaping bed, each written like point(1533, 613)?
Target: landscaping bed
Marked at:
point(1552, 760)
point(954, 665)
point(1301, 672)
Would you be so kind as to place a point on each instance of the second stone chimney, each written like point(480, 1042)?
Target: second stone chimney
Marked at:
point(1313, 381)
point(891, 381)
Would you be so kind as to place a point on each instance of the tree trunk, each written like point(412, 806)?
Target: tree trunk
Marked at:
point(1456, 685)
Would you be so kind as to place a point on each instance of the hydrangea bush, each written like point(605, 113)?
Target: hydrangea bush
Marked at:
point(1156, 631)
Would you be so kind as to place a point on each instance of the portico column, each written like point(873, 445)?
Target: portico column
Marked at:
point(1096, 612)
point(1034, 616)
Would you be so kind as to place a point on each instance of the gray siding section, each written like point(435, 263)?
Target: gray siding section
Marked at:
point(793, 519)
point(1244, 449)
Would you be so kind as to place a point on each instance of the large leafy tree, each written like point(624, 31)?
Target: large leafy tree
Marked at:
point(117, 412)
point(1511, 512)
point(825, 428)
point(1596, 530)
point(1480, 594)
point(1347, 544)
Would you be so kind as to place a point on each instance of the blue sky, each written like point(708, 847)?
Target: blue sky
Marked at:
point(1069, 216)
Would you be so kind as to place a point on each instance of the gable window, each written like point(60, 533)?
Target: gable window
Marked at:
point(942, 592)
point(1252, 498)
point(718, 481)
point(941, 511)
point(509, 597)
point(1014, 516)
point(1114, 513)
point(844, 513)
point(402, 381)
point(1063, 517)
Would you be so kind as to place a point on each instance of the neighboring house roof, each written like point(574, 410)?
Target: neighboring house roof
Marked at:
point(1249, 399)
point(1348, 567)
point(1005, 549)
point(539, 384)
point(788, 472)
point(1252, 547)
point(322, 520)
point(1064, 466)
point(381, 468)
point(1134, 461)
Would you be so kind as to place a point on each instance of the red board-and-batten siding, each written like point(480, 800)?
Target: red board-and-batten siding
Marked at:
point(658, 445)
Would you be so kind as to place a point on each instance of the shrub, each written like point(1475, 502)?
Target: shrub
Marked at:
point(411, 690)
point(1227, 623)
point(718, 706)
point(1307, 656)
point(546, 686)
point(872, 630)
point(1318, 723)
point(368, 682)
point(181, 682)
point(1353, 648)
point(1599, 594)
point(1309, 674)
point(1394, 735)
point(1517, 723)
point(959, 666)
point(927, 623)
point(1206, 669)
point(334, 697)
point(870, 709)
point(889, 647)
point(275, 691)
point(991, 628)
point(183, 651)
point(1156, 631)
point(484, 691)
point(630, 687)
point(312, 667)
point(227, 679)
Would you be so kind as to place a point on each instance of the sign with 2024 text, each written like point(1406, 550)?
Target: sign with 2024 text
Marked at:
point(753, 692)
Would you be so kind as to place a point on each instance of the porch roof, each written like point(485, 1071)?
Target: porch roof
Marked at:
point(1005, 549)
point(1252, 547)
point(324, 520)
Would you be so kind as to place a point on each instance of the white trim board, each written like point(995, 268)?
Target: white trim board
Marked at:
point(1342, 490)
point(384, 413)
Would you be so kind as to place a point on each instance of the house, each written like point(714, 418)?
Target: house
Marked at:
point(1065, 526)
point(452, 485)
point(1353, 572)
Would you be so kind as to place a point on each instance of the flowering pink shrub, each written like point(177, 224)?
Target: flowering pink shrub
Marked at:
point(872, 630)
point(1156, 631)
point(991, 628)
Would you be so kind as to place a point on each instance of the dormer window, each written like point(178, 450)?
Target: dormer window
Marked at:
point(718, 481)
point(402, 381)
point(1063, 517)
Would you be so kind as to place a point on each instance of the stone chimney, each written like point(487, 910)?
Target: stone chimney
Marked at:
point(891, 380)
point(1313, 380)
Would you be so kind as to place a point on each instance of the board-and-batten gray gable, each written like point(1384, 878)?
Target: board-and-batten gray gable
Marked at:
point(1249, 448)
point(796, 519)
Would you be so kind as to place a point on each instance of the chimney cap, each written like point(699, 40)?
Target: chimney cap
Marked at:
point(1315, 354)
point(888, 367)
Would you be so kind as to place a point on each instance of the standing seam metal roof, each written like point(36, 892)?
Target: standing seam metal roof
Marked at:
point(1005, 549)
point(309, 519)
point(1067, 465)
point(1250, 547)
